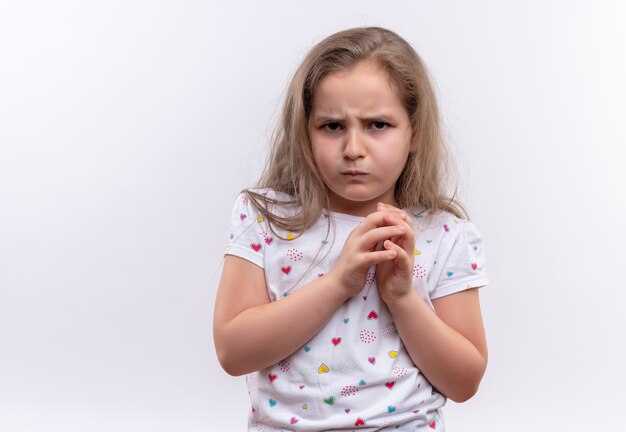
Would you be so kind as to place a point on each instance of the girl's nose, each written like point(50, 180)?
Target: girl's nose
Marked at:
point(353, 148)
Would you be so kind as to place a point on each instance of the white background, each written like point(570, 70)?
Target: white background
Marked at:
point(127, 129)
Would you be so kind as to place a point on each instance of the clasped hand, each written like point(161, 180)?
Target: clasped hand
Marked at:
point(393, 229)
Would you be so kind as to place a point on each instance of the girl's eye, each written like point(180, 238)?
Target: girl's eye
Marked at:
point(379, 125)
point(332, 127)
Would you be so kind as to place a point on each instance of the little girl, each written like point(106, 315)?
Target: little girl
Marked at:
point(349, 290)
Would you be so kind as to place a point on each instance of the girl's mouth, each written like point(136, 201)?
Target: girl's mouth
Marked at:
point(353, 173)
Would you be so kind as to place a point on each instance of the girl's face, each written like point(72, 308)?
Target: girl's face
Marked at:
point(360, 136)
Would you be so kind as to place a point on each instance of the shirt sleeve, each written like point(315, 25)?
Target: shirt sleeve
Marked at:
point(247, 232)
point(461, 261)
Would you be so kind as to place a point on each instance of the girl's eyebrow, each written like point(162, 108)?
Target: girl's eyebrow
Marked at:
point(377, 117)
point(326, 118)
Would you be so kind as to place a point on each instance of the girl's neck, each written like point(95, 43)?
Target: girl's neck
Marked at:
point(357, 208)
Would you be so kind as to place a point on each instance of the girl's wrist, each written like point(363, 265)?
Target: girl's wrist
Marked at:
point(335, 283)
point(397, 301)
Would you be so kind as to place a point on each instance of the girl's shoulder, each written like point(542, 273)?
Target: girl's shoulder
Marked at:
point(269, 201)
point(437, 219)
point(269, 194)
point(431, 215)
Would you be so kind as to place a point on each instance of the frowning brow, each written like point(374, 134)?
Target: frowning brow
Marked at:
point(326, 118)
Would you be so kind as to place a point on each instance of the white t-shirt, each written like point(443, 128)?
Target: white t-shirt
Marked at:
point(355, 373)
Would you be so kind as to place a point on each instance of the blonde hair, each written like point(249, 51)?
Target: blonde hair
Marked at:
point(291, 167)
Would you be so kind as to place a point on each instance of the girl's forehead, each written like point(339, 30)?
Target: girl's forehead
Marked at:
point(366, 66)
point(365, 86)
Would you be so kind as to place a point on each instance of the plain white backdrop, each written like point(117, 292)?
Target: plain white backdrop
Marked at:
point(127, 129)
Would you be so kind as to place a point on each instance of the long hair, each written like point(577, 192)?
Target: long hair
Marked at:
point(291, 167)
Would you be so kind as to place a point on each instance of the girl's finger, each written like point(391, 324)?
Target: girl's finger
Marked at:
point(377, 257)
point(408, 237)
point(404, 261)
point(370, 238)
point(389, 207)
point(394, 212)
point(383, 219)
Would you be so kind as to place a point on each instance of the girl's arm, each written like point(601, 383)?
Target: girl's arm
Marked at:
point(252, 333)
point(447, 345)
